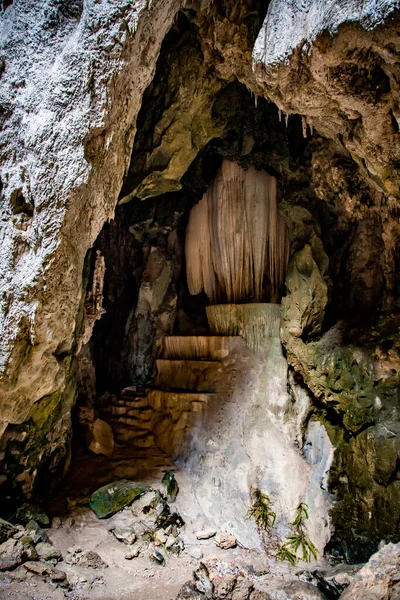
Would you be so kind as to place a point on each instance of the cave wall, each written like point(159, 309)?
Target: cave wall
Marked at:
point(340, 317)
point(67, 127)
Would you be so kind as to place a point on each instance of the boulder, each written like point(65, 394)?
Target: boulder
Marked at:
point(379, 578)
point(157, 557)
point(85, 558)
point(189, 592)
point(171, 540)
point(6, 530)
point(101, 438)
point(302, 591)
point(206, 534)
point(225, 541)
point(36, 533)
point(125, 535)
point(223, 585)
point(132, 552)
point(12, 554)
point(32, 512)
point(203, 581)
point(47, 551)
point(160, 537)
point(113, 497)
point(332, 581)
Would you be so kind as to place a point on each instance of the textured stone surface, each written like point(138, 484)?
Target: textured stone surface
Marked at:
point(379, 578)
point(289, 25)
point(101, 439)
point(68, 127)
point(334, 64)
point(65, 137)
point(338, 71)
point(113, 497)
point(7, 530)
point(12, 553)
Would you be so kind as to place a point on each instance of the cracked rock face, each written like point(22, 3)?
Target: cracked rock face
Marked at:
point(74, 144)
point(336, 67)
point(65, 137)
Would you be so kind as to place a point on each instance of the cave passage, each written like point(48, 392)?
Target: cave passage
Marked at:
point(195, 258)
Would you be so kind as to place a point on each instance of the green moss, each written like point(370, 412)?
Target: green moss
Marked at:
point(113, 497)
point(45, 410)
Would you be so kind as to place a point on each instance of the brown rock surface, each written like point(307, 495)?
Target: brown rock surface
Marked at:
point(379, 578)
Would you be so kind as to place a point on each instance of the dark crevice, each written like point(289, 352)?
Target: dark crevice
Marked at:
point(20, 205)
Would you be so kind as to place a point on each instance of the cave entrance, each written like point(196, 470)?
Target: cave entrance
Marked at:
point(190, 328)
point(236, 252)
point(184, 363)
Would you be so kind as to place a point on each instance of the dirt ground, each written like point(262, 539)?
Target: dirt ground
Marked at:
point(74, 525)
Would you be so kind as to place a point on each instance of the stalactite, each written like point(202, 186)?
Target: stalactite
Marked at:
point(236, 242)
point(254, 322)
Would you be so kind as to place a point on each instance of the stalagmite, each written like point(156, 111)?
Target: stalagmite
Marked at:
point(236, 242)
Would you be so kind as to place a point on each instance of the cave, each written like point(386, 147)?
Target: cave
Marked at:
point(200, 300)
point(192, 280)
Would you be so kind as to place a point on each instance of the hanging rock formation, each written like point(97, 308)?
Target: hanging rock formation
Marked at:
point(236, 243)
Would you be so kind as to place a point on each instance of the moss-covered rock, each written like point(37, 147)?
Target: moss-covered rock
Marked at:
point(7, 530)
point(32, 512)
point(113, 497)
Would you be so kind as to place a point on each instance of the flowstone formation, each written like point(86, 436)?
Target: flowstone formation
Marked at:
point(113, 143)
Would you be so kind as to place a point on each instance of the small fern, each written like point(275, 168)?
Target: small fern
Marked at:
point(301, 515)
point(284, 553)
point(298, 539)
point(261, 512)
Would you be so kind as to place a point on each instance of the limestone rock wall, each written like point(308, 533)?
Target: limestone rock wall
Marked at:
point(66, 135)
point(335, 64)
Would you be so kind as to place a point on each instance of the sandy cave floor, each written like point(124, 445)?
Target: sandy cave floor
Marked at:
point(75, 525)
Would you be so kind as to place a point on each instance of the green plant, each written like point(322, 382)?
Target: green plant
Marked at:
point(298, 539)
point(260, 511)
point(301, 516)
point(285, 554)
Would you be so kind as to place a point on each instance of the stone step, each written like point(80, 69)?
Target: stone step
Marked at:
point(142, 438)
point(132, 422)
point(189, 375)
point(135, 403)
point(133, 391)
point(164, 401)
point(132, 415)
point(115, 411)
point(199, 346)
